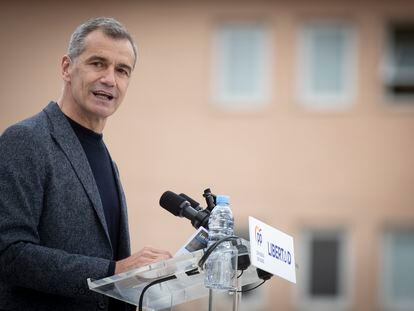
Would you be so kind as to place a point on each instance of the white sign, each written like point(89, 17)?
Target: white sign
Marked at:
point(271, 250)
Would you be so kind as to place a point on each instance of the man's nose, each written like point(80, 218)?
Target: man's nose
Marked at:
point(108, 77)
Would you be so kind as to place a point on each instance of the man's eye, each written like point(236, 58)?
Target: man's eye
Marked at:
point(97, 64)
point(123, 72)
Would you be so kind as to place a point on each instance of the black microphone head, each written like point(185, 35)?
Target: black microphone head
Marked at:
point(172, 202)
point(193, 203)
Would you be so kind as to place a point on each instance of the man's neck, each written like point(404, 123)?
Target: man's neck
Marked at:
point(95, 124)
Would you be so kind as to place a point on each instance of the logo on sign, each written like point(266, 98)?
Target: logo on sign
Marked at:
point(258, 234)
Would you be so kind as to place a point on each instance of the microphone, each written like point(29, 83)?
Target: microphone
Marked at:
point(179, 206)
point(194, 204)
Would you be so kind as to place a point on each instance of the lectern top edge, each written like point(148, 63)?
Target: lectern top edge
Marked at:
point(157, 268)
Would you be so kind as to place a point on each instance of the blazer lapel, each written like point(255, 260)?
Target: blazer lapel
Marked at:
point(63, 134)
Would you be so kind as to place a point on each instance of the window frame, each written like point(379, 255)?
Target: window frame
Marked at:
point(220, 96)
point(307, 302)
point(388, 302)
point(307, 97)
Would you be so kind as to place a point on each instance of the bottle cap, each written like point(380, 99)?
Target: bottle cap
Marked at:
point(222, 199)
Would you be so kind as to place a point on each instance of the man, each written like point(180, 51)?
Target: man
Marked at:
point(63, 215)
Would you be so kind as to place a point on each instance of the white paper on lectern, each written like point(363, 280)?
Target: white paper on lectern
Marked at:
point(198, 240)
point(271, 250)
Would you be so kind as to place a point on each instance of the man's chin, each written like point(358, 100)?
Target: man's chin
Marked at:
point(104, 110)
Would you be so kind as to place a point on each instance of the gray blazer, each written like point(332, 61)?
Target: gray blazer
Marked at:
point(53, 234)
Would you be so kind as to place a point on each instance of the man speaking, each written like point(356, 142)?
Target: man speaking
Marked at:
point(63, 215)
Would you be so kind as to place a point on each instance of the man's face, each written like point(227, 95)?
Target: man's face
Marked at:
point(99, 77)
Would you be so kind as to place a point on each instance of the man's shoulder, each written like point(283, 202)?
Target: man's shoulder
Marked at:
point(28, 131)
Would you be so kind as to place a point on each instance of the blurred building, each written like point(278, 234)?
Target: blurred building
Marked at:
point(302, 111)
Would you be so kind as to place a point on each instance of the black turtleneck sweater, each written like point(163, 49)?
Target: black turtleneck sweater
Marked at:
point(103, 171)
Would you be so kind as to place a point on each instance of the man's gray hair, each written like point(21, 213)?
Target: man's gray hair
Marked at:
point(109, 26)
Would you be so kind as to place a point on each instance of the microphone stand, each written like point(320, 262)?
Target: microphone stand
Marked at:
point(237, 296)
point(210, 299)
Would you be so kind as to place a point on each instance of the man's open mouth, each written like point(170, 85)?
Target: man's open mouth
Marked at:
point(103, 95)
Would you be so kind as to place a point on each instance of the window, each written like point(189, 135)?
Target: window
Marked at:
point(327, 68)
point(324, 281)
point(241, 65)
point(398, 269)
point(399, 67)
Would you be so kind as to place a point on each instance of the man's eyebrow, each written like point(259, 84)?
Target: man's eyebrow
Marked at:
point(104, 60)
point(96, 57)
point(125, 66)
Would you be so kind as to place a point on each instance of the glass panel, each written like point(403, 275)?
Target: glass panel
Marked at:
point(327, 60)
point(402, 270)
point(403, 41)
point(242, 60)
point(401, 83)
point(324, 267)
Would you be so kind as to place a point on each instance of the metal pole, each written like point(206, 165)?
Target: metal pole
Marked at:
point(237, 296)
point(210, 299)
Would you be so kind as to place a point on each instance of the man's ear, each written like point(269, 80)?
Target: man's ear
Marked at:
point(66, 65)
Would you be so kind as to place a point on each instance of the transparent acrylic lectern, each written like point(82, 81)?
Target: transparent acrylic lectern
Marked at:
point(187, 285)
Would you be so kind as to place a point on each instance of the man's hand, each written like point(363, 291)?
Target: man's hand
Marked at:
point(143, 257)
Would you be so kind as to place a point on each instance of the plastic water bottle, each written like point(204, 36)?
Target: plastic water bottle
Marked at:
point(220, 268)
